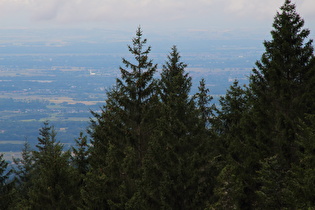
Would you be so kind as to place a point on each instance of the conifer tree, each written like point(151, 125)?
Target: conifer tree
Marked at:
point(236, 153)
point(5, 185)
point(175, 84)
point(51, 179)
point(260, 136)
point(303, 171)
point(282, 89)
point(3, 171)
point(122, 131)
point(276, 186)
point(80, 155)
point(138, 90)
point(175, 171)
point(22, 175)
point(282, 82)
point(23, 165)
point(80, 162)
point(203, 98)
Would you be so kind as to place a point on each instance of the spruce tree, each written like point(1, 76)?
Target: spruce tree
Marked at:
point(5, 184)
point(175, 171)
point(80, 155)
point(121, 133)
point(203, 99)
point(281, 84)
point(236, 154)
point(259, 132)
point(24, 165)
point(138, 90)
point(22, 175)
point(303, 171)
point(80, 162)
point(52, 177)
point(276, 190)
point(4, 172)
point(175, 85)
point(282, 88)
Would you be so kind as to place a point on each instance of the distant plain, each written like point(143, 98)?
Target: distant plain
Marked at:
point(63, 83)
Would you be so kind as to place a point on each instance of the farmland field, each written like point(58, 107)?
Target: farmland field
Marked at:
point(64, 87)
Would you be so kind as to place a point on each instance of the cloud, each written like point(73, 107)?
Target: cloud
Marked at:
point(153, 11)
point(46, 10)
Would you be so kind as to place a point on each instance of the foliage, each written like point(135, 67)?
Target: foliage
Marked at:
point(282, 81)
point(155, 146)
point(5, 185)
point(282, 96)
point(80, 155)
point(51, 176)
point(122, 131)
point(206, 112)
point(23, 172)
point(177, 158)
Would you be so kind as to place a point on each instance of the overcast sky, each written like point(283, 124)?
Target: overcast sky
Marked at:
point(152, 15)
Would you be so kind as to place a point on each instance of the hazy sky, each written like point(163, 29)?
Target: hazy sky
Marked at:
point(152, 15)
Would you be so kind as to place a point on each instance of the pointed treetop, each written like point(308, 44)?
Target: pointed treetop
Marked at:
point(288, 15)
point(288, 52)
point(287, 6)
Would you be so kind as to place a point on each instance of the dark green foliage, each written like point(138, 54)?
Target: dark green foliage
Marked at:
point(130, 102)
point(230, 123)
point(81, 166)
point(175, 84)
point(23, 171)
point(154, 146)
point(234, 105)
point(24, 165)
point(123, 129)
point(176, 167)
point(5, 185)
point(80, 155)
point(281, 85)
point(3, 171)
point(303, 171)
point(51, 181)
point(237, 152)
point(138, 90)
point(281, 96)
point(275, 189)
point(206, 112)
point(258, 126)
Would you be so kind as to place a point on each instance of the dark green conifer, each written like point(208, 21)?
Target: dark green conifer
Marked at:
point(276, 190)
point(236, 152)
point(303, 171)
point(122, 131)
point(80, 162)
point(175, 84)
point(206, 111)
point(80, 155)
point(24, 165)
point(282, 81)
point(52, 185)
point(282, 89)
point(23, 172)
point(259, 131)
point(5, 184)
point(176, 168)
